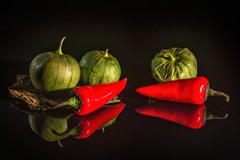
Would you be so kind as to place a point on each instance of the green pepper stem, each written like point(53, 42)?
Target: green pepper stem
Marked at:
point(212, 92)
point(59, 51)
point(72, 102)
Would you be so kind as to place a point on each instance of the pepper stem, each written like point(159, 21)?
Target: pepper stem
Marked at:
point(59, 51)
point(212, 92)
point(73, 102)
point(212, 116)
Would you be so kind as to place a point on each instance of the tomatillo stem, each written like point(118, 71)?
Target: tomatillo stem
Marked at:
point(106, 53)
point(172, 57)
point(59, 51)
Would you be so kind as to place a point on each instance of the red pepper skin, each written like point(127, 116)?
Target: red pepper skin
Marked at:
point(189, 115)
point(93, 97)
point(191, 90)
point(88, 124)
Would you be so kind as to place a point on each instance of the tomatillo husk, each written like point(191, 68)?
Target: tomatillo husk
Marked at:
point(173, 64)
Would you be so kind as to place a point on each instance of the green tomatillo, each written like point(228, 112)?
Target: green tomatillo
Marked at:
point(173, 64)
point(54, 71)
point(99, 67)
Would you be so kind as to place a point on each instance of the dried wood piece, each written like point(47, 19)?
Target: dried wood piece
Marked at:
point(23, 90)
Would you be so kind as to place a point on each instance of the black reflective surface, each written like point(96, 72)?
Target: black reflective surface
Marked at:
point(133, 35)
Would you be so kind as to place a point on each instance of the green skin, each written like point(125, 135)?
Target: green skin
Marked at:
point(109, 123)
point(99, 67)
point(49, 126)
point(173, 64)
point(54, 71)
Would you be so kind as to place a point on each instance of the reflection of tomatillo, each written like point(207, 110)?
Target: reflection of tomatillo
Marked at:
point(47, 124)
point(192, 116)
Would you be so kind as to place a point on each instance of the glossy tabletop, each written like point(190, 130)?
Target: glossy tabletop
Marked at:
point(133, 35)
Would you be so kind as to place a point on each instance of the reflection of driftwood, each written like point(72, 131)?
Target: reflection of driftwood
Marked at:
point(22, 89)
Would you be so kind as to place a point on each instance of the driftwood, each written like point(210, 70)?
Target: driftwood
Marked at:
point(24, 92)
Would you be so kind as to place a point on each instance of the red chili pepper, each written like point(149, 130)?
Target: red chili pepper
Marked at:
point(89, 98)
point(191, 90)
point(88, 124)
point(189, 115)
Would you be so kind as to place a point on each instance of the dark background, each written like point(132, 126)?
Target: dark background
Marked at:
point(133, 33)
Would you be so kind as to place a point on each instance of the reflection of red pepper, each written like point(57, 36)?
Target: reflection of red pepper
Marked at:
point(189, 115)
point(89, 98)
point(88, 124)
point(191, 90)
